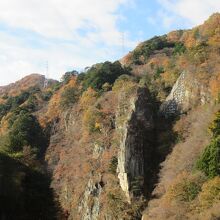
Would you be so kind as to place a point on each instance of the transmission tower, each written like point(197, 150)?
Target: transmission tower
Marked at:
point(46, 74)
point(123, 43)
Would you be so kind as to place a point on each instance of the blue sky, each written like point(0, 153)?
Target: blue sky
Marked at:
point(74, 34)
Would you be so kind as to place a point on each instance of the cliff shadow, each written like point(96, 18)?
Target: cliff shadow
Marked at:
point(25, 192)
point(163, 138)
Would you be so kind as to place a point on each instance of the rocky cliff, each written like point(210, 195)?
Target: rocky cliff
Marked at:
point(136, 141)
point(186, 93)
point(121, 161)
point(125, 140)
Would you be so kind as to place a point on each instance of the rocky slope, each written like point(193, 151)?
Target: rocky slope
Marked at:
point(136, 140)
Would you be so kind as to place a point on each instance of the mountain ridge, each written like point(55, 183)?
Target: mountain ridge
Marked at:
point(129, 140)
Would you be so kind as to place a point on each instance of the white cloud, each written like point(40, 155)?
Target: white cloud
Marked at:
point(60, 18)
point(165, 18)
point(16, 60)
point(75, 33)
point(194, 11)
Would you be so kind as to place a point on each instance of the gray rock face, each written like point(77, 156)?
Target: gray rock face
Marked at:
point(135, 130)
point(176, 98)
point(89, 206)
point(186, 93)
point(98, 150)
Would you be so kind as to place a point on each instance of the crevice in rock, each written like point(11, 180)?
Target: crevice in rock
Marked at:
point(146, 141)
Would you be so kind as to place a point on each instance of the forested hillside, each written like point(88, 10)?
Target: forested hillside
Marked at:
point(132, 139)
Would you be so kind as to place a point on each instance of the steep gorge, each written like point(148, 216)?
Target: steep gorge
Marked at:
point(122, 137)
point(134, 117)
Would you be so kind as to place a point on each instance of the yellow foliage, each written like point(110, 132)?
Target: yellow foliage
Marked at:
point(210, 27)
point(91, 119)
point(185, 187)
point(210, 193)
point(169, 78)
point(88, 98)
point(97, 125)
point(124, 85)
point(215, 39)
point(189, 39)
point(53, 108)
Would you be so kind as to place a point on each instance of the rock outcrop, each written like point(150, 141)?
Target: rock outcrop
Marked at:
point(91, 195)
point(186, 93)
point(135, 125)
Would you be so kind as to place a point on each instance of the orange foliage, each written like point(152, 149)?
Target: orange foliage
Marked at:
point(215, 86)
point(169, 78)
point(22, 85)
point(174, 36)
point(3, 125)
point(53, 108)
point(215, 40)
point(159, 60)
point(189, 39)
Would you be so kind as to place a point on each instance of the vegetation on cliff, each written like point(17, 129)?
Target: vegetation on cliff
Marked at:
point(79, 126)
